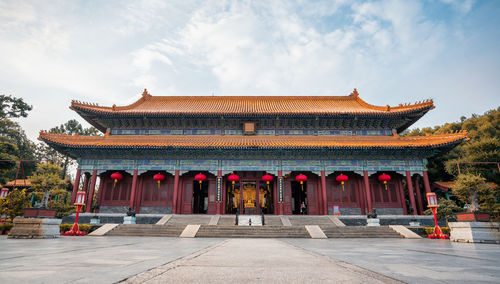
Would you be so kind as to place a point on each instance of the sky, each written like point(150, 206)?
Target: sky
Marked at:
point(108, 52)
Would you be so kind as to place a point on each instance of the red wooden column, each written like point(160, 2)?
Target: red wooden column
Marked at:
point(324, 203)
point(100, 193)
point(76, 185)
point(275, 196)
point(219, 203)
point(402, 196)
point(367, 191)
point(419, 196)
point(281, 205)
point(361, 197)
point(134, 186)
point(409, 184)
point(176, 192)
point(90, 197)
point(426, 182)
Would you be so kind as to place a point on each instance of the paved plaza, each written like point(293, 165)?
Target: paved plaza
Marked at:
point(177, 260)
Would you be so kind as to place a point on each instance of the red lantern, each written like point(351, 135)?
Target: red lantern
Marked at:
point(159, 177)
point(267, 178)
point(233, 178)
point(301, 178)
point(200, 178)
point(342, 178)
point(384, 178)
point(116, 176)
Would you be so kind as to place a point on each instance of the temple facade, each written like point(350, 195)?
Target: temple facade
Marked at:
point(276, 155)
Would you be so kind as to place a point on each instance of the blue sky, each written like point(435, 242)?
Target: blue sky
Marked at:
point(393, 52)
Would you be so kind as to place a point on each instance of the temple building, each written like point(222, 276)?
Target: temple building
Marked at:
point(280, 154)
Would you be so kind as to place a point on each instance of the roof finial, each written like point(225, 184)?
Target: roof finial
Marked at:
point(145, 94)
point(355, 93)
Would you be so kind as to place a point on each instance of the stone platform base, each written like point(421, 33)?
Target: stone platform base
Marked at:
point(35, 228)
point(475, 232)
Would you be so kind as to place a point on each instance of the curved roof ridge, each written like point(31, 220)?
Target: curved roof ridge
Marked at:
point(281, 104)
point(418, 104)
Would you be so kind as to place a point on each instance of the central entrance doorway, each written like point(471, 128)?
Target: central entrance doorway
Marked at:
point(200, 198)
point(249, 198)
point(299, 198)
point(249, 195)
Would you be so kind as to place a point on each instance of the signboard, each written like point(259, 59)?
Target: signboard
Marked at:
point(336, 210)
point(280, 189)
point(218, 195)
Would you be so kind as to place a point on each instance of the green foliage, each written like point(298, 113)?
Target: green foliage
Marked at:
point(71, 127)
point(13, 107)
point(45, 179)
point(82, 227)
point(430, 230)
point(15, 203)
point(447, 210)
point(61, 202)
point(15, 144)
point(473, 189)
point(484, 146)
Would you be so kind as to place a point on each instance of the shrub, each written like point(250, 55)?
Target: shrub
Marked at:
point(430, 230)
point(67, 227)
point(447, 210)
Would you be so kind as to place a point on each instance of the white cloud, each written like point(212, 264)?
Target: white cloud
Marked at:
point(108, 52)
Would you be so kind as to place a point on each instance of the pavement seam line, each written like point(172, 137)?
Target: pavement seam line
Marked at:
point(349, 266)
point(164, 268)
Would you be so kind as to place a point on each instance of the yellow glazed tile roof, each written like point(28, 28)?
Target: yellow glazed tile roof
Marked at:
point(207, 105)
point(237, 141)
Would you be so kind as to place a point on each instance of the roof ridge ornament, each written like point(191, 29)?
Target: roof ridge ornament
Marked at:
point(354, 93)
point(145, 94)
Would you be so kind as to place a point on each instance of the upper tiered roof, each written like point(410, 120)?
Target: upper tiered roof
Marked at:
point(251, 106)
point(247, 105)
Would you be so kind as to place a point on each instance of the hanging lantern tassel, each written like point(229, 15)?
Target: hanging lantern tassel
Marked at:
point(159, 177)
point(267, 178)
point(384, 178)
point(301, 178)
point(233, 178)
point(342, 179)
point(116, 176)
point(200, 178)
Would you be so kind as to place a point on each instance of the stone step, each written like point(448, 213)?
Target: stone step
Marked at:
point(253, 232)
point(309, 220)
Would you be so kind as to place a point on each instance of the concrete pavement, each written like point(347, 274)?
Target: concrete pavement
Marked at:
point(155, 260)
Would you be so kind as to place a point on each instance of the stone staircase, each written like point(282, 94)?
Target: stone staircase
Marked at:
point(147, 230)
point(252, 232)
point(332, 231)
point(310, 220)
point(189, 220)
point(273, 228)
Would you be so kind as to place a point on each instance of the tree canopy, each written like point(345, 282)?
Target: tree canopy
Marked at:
point(71, 127)
point(13, 107)
point(484, 146)
point(14, 144)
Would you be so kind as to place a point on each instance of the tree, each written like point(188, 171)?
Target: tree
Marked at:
point(15, 203)
point(484, 146)
point(15, 144)
point(473, 189)
point(13, 107)
point(71, 127)
point(46, 179)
